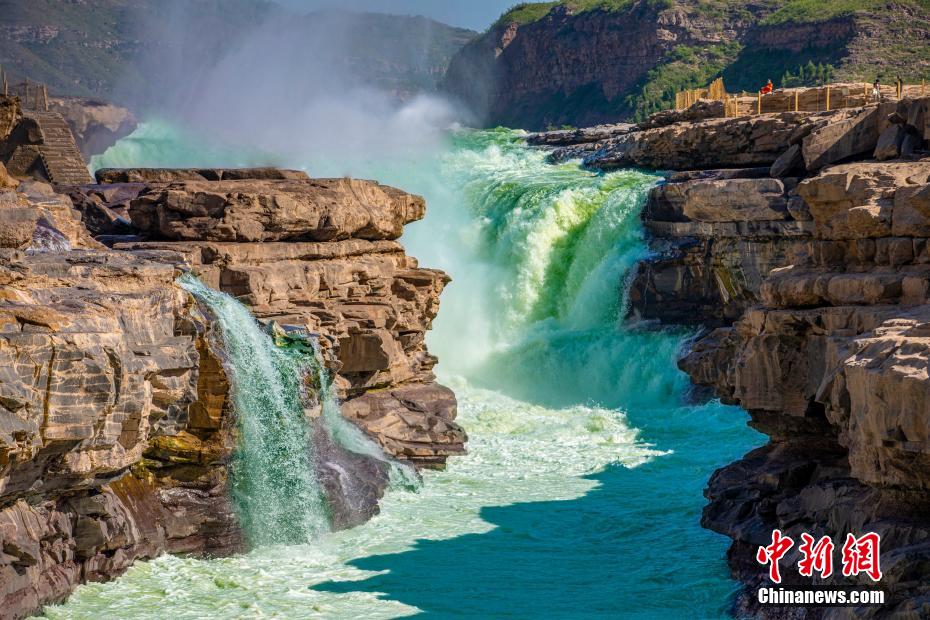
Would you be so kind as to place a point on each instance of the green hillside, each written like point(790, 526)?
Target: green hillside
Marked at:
point(589, 61)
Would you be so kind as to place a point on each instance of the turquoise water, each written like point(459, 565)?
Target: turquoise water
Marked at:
point(582, 490)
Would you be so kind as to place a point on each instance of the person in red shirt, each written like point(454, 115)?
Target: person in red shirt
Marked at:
point(767, 88)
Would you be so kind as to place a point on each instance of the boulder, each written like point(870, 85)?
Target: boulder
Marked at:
point(853, 201)
point(889, 143)
point(720, 200)
point(414, 422)
point(852, 133)
point(791, 161)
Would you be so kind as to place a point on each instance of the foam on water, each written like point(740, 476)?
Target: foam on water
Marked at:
point(518, 453)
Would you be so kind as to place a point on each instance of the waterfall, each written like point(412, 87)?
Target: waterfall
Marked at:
point(582, 451)
point(282, 451)
point(274, 484)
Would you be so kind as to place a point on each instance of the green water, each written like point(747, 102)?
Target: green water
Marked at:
point(581, 493)
point(274, 485)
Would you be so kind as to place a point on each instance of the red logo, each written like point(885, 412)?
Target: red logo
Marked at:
point(860, 555)
point(773, 553)
point(817, 557)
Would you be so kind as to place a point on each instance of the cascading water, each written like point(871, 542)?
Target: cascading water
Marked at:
point(581, 493)
point(274, 485)
point(279, 454)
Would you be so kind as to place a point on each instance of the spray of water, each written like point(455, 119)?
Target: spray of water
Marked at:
point(349, 437)
point(283, 84)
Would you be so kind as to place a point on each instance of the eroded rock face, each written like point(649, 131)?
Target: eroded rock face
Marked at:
point(792, 143)
point(10, 114)
point(813, 274)
point(823, 137)
point(102, 461)
point(715, 236)
point(329, 264)
point(832, 363)
point(96, 125)
point(107, 176)
point(371, 305)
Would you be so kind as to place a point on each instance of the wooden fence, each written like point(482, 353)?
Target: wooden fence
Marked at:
point(803, 99)
point(32, 95)
point(687, 98)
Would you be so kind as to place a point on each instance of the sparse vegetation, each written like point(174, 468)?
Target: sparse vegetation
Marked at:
point(819, 11)
point(685, 68)
point(527, 12)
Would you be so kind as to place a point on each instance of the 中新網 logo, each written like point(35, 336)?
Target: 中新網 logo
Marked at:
point(860, 555)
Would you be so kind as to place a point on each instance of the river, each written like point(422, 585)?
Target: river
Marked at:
point(581, 493)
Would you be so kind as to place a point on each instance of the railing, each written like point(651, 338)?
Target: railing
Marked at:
point(802, 99)
point(687, 98)
point(33, 95)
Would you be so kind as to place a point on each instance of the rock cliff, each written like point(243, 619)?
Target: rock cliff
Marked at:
point(800, 244)
point(115, 422)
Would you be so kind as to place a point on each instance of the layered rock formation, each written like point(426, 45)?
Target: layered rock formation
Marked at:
point(809, 264)
point(321, 255)
point(832, 364)
point(116, 425)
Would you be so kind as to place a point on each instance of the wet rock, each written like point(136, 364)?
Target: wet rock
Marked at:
point(814, 283)
point(570, 137)
point(412, 422)
point(115, 425)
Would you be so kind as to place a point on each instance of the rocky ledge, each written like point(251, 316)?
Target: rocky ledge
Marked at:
point(115, 421)
point(799, 242)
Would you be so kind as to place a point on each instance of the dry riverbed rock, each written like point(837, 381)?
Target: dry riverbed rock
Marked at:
point(274, 210)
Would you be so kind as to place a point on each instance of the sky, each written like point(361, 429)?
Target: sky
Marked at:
point(474, 14)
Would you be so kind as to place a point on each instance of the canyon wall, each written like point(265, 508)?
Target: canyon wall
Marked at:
point(799, 243)
point(116, 427)
point(564, 63)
